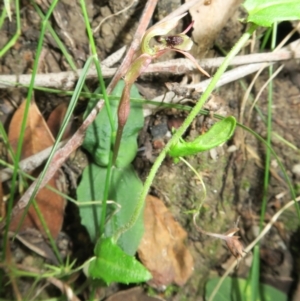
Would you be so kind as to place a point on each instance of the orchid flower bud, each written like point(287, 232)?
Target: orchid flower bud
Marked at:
point(159, 29)
point(179, 42)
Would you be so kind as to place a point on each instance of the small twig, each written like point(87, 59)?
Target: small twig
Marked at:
point(62, 80)
point(29, 164)
point(233, 243)
point(64, 288)
point(181, 66)
point(249, 113)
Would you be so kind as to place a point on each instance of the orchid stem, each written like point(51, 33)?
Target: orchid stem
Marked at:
point(140, 205)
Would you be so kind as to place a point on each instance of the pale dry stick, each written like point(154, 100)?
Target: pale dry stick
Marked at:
point(38, 291)
point(182, 65)
point(261, 90)
point(30, 245)
point(114, 15)
point(242, 71)
point(62, 80)
point(253, 243)
point(29, 164)
point(248, 91)
point(65, 80)
point(64, 288)
point(227, 77)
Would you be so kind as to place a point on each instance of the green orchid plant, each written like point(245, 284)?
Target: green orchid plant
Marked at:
point(180, 43)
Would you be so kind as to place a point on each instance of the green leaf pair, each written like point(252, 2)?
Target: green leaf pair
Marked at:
point(114, 262)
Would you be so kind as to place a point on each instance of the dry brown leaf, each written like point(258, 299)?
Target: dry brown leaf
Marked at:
point(37, 138)
point(37, 134)
point(162, 249)
point(55, 120)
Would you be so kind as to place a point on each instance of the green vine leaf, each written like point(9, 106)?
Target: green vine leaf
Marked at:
point(266, 12)
point(111, 264)
point(219, 133)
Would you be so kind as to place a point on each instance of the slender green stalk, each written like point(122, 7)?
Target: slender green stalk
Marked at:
point(253, 278)
point(109, 113)
point(252, 287)
point(266, 38)
point(96, 61)
point(269, 135)
point(13, 40)
point(6, 142)
point(47, 231)
point(184, 127)
point(2, 17)
point(286, 142)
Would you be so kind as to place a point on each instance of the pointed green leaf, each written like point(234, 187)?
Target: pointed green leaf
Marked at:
point(219, 133)
point(113, 265)
point(266, 12)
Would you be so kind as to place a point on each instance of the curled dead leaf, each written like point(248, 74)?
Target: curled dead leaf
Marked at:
point(37, 138)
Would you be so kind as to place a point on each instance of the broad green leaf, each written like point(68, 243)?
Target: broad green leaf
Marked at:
point(219, 133)
point(266, 12)
point(233, 289)
point(98, 136)
point(113, 265)
point(125, 190)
